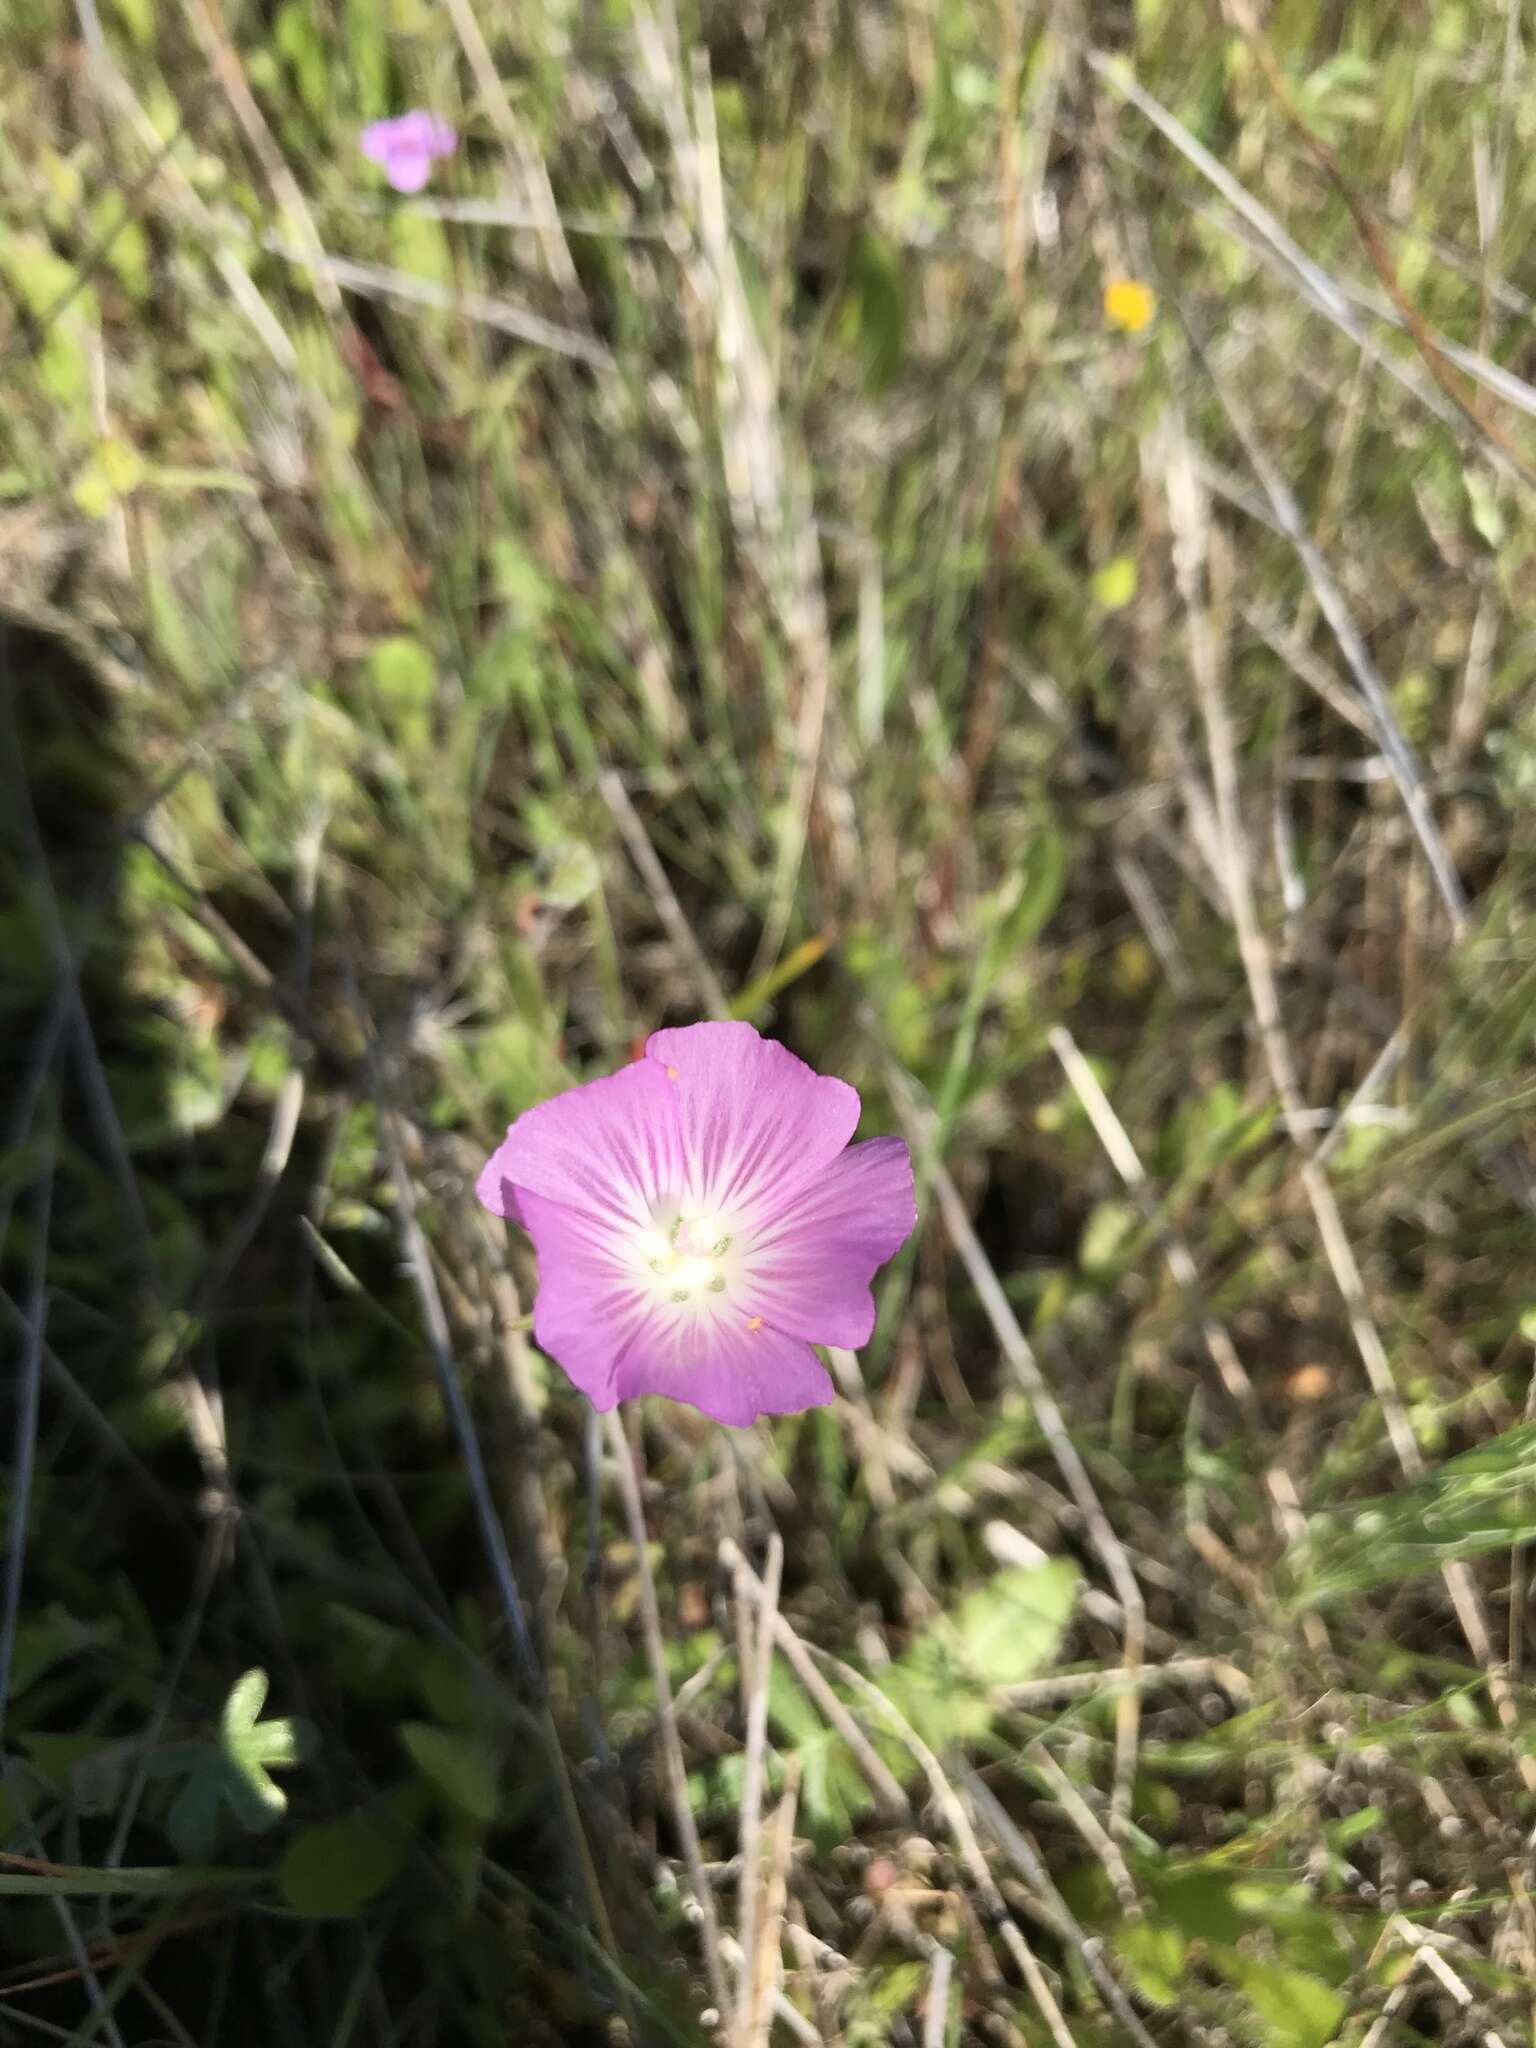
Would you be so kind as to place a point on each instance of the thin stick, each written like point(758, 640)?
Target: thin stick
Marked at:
point(764, 1970)
point(418, 1264)
point(1517, 1570)
point(376, 280)
point(1406, 772)
point(1115, 1139)
point(755, 1685)
point(936, 2014)
point(958, 1821)
point(115, 86)
point(1017, 1848)
point(671, 1742)
point(1089, 1826)
point(1282, 253)
point(530, 165)
point(667, 907)
point(779, 2006)
point(1074, 1685)
point(890, 1801)
point(1021, 1359)
point(224, 61)
point(24, 1439)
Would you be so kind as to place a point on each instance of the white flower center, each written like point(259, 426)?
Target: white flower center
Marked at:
point(686, 1257)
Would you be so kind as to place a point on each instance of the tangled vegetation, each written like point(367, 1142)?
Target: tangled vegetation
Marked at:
point(995, 543)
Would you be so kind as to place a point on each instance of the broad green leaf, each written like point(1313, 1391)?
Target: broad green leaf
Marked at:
point(460, 1766)
point(1153, 1954)
point(1002, 1634)
point(334, 1869)
point(1297, 2009)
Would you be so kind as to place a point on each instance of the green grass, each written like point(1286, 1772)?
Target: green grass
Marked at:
point(956, 665)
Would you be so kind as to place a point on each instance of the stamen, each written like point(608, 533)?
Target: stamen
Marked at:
point(695, 1273)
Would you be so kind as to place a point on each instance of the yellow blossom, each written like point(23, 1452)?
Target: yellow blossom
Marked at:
point(1130, 304)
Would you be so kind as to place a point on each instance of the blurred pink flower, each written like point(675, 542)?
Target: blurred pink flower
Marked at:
point(406, 148)
point(701, 1220)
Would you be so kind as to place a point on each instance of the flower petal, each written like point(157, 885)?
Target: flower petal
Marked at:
point(728, 1370)
point(378, 139)
point(756, 1123)
point(808, 1272)
point(589, 1307)
point(611, 1148)
point(407, 168)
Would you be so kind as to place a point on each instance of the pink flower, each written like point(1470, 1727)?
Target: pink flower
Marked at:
point(701, 1220)
point(406, 147)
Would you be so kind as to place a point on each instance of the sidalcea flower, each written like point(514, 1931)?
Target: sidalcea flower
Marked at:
point(406, 148)
point(701, 1221)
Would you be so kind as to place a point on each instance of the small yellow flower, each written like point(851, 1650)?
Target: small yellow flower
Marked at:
point(114, 471)
point(1130, 304)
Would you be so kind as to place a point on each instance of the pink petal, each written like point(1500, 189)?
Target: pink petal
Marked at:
point(404, 147)
point(756, 1123)
point(611, 1148)
point(728, 1370)
point(377, 140)
point(407, 169)
point(808, 1272)
point(588, 1309)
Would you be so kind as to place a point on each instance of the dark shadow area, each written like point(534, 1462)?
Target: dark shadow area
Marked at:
point(221, 1460)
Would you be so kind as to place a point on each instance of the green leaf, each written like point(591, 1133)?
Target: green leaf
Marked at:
point(1153, 1955)
point(1002, 1634)
point(878, 309)
point(405, 681)
point(48, 1639)
point(1106, 1234)
point(461, 1767)
point(334, 1869)
point(1197, 1901)
point(252, 1746)
point(1487, 513)
point(1040, 884)
point(230, 1774)
point(1298, 2010)
point(833, 1791)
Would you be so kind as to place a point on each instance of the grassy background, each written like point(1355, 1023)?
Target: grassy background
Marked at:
point(716, 550)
